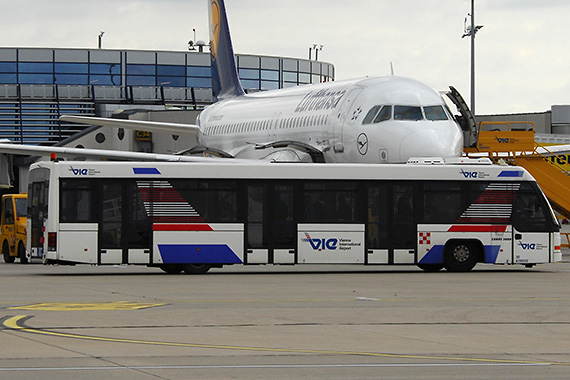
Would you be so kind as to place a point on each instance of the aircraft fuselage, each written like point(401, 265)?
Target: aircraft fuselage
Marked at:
point(337, 119)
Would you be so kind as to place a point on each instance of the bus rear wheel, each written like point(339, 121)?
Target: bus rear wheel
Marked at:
point(460, 256)
point(6, 253)
point(196, 268)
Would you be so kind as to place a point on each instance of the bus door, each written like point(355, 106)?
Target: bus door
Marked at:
point(377, 226)
point(530, 214)
point(124, 230)
point(403, 227)
point(270, 229)
point(391, 228)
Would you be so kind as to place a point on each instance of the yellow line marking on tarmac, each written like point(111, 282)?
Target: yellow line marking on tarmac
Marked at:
point(87, 306)
point(13, 323)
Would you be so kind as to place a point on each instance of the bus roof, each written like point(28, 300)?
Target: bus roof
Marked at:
point(254, 169)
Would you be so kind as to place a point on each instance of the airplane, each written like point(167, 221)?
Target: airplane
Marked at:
point(384, 119)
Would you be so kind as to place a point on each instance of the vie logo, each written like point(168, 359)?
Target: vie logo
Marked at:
point(502, 140)
point(321, 244)
point(527, 246)
point(82, 172)
point(79, 171)
point(469, 174)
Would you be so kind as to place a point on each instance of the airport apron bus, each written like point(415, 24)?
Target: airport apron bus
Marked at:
point(194, 216)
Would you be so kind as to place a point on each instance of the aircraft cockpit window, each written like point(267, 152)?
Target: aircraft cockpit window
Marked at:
point(408, 113)
point(384, 114)
point(370, 115)
point(435, 113)
point(378, 114)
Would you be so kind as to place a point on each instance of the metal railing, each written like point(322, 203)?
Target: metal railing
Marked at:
point(189, 96)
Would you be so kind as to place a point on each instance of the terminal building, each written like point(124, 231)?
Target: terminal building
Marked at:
point(38, 85)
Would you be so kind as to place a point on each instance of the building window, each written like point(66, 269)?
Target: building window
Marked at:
point(141, 69)
point(71, 68)
point(35, 67)
point(249, 74)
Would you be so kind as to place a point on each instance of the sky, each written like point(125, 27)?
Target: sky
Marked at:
point(522, 51)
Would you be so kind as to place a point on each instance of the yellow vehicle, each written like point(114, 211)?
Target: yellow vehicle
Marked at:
point(13, 227)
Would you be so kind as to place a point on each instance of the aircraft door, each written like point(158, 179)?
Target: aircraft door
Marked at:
point(272, 131)
point(343, 118)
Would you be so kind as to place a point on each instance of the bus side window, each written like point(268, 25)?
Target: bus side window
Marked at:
point(76, 201)
point(528, 213)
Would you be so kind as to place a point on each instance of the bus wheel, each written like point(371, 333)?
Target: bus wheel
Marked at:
point(460, 256)
point(171, 268)
point(431, 267)
point(196, 268)
point(22, 254)
point(6, 253)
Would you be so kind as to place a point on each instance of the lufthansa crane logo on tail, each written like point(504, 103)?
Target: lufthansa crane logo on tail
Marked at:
point(215, 15)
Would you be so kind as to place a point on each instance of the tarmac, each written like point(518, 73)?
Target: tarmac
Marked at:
point(281, 322)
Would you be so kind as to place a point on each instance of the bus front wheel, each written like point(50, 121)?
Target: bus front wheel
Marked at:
point(6, 253)
point(196, 268)
point(460, 256)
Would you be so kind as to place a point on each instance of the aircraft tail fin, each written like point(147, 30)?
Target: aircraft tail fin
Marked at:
point(225, 79)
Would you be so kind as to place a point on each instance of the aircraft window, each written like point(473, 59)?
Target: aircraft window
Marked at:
point(407, 113)
point(370, 115)
point(435, 113)
point(384, 114)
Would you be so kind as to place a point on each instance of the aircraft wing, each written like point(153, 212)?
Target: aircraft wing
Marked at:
point(150, 126)
point(31, 150)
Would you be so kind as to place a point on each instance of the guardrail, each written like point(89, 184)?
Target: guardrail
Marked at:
point(107, 94)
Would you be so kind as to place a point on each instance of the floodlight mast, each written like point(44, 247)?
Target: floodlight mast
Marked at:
point(471, 30)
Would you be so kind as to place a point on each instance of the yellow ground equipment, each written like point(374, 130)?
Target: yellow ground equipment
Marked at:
point(13, 227)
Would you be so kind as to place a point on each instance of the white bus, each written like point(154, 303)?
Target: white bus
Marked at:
point(193, 216)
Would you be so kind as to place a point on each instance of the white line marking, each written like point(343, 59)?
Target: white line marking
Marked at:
point(265, 366)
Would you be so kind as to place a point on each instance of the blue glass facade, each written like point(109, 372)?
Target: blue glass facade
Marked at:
point(38, 85)
point(138, 68)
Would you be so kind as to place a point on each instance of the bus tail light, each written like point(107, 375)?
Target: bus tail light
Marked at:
point(52, 241)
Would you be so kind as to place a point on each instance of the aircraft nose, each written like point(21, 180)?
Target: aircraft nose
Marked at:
point(435, 141)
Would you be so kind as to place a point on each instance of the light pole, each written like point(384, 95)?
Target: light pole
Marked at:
point(316, 48)
point(101, 39)
point(471, 30)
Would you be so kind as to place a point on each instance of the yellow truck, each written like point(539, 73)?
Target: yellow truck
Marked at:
point(13, 227)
